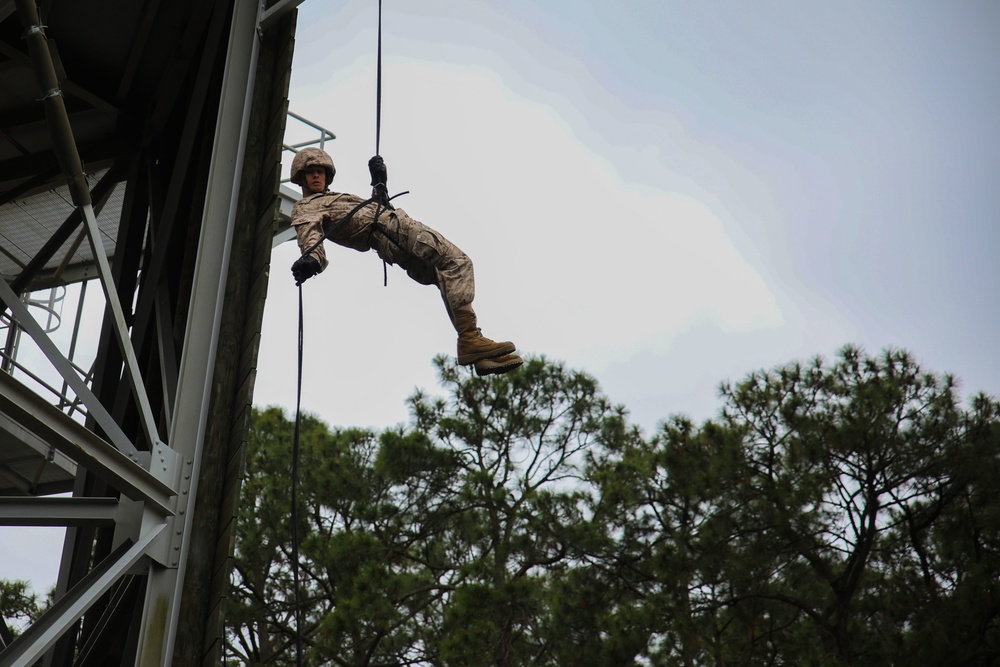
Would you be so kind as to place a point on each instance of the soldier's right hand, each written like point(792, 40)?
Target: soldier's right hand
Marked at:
point(304, 268)
point(376, 167)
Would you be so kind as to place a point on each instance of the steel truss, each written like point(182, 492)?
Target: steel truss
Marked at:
point(154, 468)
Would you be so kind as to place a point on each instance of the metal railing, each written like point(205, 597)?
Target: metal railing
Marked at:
point(50, 302)
point(320, 135)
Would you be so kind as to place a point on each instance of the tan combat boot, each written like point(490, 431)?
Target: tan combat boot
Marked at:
point(472, 344)
point(497, 365)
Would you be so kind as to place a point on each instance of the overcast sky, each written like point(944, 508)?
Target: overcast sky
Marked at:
point(664, 194)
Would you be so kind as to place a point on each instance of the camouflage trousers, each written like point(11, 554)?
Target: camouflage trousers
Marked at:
point(426, 256)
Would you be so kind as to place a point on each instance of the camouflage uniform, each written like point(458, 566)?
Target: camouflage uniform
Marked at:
point(425, 255)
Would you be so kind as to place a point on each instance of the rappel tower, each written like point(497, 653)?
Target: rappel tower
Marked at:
point(140, 158)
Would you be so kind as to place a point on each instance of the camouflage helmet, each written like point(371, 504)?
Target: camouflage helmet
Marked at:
point(312, 157)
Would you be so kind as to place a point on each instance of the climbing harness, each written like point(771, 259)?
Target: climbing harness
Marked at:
point(347, 217)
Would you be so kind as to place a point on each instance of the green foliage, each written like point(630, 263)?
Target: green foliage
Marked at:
point(18, 604)
point(833, 514)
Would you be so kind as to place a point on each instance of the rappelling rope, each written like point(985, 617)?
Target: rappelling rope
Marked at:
point(382, 204)
point(382, 196)
point(378, 82)
point(295, 484)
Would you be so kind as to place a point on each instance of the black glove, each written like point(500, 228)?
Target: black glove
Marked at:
point(304, 268)
point(376, 167)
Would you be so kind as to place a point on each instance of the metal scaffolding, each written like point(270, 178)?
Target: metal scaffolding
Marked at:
point(149, 164)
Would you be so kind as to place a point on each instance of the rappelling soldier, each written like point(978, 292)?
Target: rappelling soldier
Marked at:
point(425, 255)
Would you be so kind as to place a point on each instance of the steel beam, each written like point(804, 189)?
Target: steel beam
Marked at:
point(121, 328)
point(58, 511)
point(55, 106)
point(165, 347)
point(164, 212)
point(194, 387)
point(44, 632)
point(94, 407)
point(276, 11)
point(66, 151)
point(26, 416)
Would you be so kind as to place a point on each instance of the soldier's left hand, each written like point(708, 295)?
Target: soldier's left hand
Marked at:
point(304, 268)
